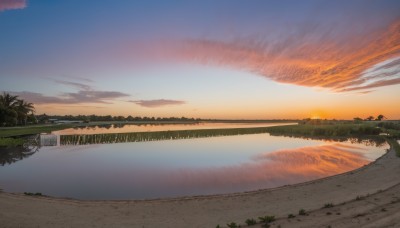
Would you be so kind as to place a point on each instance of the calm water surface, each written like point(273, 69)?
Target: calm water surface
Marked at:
point(171, 168)
point(125, 128)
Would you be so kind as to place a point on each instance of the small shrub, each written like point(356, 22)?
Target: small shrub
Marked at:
point(232, 225)
point(291, 216)
point(33, 194)
point(267, 219)
point(218, 226)
point(328, 205)
point(328, 213)
point(359, 197)
point(302, 212)
point(251, 222)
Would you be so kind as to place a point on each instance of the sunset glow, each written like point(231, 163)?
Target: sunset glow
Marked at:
point(225, 60)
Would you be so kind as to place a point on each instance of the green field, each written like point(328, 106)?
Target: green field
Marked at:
point(31, 130)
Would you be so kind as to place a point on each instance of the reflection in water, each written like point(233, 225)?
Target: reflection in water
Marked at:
point(267, 170)
point(14, 154)
point(126, 128)
point(173, 168)
point(366, 140)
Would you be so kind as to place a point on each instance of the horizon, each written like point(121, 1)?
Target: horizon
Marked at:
point(232, 60)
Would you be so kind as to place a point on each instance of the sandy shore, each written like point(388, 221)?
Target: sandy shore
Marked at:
point(379, 181)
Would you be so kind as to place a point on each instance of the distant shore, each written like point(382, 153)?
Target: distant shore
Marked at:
point(376, 186)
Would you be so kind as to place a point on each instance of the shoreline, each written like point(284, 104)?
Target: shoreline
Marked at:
point(203, 211)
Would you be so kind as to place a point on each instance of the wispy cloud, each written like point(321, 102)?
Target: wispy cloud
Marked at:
point(12, 4)
point(157, 103)
point(80, 97)
point(85, 94)
point(75, 84)
point(314, 58)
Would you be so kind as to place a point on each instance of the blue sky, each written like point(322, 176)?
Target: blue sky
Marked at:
point(210, 59)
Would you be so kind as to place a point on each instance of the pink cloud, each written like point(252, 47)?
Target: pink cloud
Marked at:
point(157, 103)
point(313, 59)
point(12, 4)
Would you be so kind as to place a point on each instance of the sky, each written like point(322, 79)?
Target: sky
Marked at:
point(223, 59)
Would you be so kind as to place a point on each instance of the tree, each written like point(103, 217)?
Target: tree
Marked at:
point(23, 109)
point(14, 111)
point(357, 120)
point(380, 117)
point(369, 118)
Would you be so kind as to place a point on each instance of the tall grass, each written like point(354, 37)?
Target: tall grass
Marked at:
point(395, 145)
point(337, 130)
point(155, 136)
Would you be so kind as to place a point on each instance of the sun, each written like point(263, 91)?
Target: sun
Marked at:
point(315, 117)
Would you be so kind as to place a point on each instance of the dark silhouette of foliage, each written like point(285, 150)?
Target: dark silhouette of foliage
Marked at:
point(14, 111)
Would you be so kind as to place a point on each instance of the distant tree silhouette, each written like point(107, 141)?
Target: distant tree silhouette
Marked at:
point(380, 117)
point(369, 118)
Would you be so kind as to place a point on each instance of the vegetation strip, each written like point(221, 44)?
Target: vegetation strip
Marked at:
point(341, 131)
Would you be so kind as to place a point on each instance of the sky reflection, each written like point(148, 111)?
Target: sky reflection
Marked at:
point(171, 168)
point(126, 128)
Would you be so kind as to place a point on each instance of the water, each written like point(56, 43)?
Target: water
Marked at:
point(184, 167)
point(125, 128)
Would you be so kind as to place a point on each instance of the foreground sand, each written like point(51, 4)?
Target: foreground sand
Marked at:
point(380, 180)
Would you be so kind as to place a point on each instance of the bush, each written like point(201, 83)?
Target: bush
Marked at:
point(251, 222)
point(302, 212)
point(232, 225)
point(328, 205)
point(267, 219)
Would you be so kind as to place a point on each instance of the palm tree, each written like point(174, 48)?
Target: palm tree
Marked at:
point(14, 110)
point(8, 101)
point(23, 109)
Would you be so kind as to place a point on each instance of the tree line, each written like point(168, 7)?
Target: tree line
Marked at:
point(15, 111)
point(95, 118)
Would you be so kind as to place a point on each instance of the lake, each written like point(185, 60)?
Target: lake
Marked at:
point(181, 167)
point(151, 127)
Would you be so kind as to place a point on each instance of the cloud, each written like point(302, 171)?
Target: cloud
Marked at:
point(85, 94)
point(12, 4)
point(313, 57)
point(79, 97)
point(157, 103)
point(75, 84)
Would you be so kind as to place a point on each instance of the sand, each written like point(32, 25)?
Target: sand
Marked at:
point(378, 181)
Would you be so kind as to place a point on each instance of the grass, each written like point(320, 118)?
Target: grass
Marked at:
point(251, 222)
point(302, 212)
point(328, 205)
point(33, 194)
point(31, 130)
point(11, 142)
point(232, 225)
point(335, 130)
point(395, 145)
point(155, 135)
point(267, 219)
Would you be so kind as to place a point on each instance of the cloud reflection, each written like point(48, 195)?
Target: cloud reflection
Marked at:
point(263, 171)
